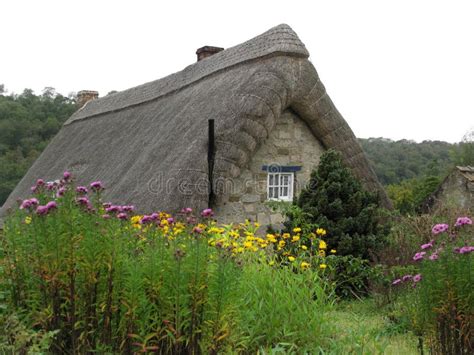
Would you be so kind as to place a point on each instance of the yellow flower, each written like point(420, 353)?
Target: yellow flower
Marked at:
point(322, 244)
point(322, 266)
point(322, 253)
point(304, 265)
point(281, 243)
point(320, 231)
point(333, 251)
point(295, 238)
point(27, 219)
point(271, 238)
point(291, 258)
point(297, 230)
point(256, 224)
point(271, 263)
point(304, 247)
point(248, 244)
point(286, 235)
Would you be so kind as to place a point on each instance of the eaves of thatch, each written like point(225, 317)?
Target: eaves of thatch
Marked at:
point(148, 144)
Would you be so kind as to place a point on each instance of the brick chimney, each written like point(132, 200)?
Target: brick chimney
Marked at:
point(85, 96)
point(207, 51)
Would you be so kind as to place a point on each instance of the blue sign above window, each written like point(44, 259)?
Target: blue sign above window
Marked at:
point(280, 168)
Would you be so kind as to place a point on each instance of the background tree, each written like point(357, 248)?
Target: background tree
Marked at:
point(27, 123)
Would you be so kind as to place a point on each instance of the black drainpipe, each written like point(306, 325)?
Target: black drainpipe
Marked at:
point(211, 153)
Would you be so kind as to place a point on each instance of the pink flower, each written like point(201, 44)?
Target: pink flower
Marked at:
point(170, 220)
point(439, 228)
point(464, 250)
point(40, 182)
point(462, 221)
point(417, 278)
point(406, 278)
point(29, 203)
point(197, 230)
point(113, 208)
point(187, 210)
point(154, 216)
point(83, 201)
point(396, 282)
point(96, 186)
point(207, 212)
point(146, 219)
point(128, 208)
point(81, 190)
point(419, 256)
point(61, 191)
point(433, 256)
point(122, 216)
point(66, 175)
point(106, 216)
point(51, 205)
point(427, 245)
point(41, 210)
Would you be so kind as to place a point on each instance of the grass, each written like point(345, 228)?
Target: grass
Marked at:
point(364, 328)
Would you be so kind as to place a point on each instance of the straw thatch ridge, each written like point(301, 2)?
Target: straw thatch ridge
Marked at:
point(149, 144)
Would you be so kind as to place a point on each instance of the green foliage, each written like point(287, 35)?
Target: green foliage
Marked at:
point(27, 123)
point(408, 196)
point(439, 304)
point(394, 162)
point(283, 309)
point(335, 200)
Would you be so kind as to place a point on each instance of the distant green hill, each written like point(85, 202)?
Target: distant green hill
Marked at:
point(27, 123)
point(396, 161)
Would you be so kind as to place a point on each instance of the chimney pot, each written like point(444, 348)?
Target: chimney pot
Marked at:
point(85, 96)
point(207, 51)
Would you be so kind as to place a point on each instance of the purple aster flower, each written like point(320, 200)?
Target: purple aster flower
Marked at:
point(81, 190)
point(406, 278)
point(170, 220)
point(25, 204)
point(462, 221)
point(34, 201)
point(113, 208)
point(122, 216)
point(417, 278)
point(106, 216)
point(419, 256)
point(146, 219)
point(439, 228)
point(396, 282)
point(61, 191)
point(51, 205)
point(66, 175)
point(207, 212)
point(433, 256)
point(40, 182)
point(154, 216)
point(197, 230)
point(427, 245)
point(187, 210)
point(83, 201)
point(42, 210)
point(128, 208)
point(96, 186)
point(465, 249)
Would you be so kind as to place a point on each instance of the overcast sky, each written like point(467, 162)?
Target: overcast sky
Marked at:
point(394, 69)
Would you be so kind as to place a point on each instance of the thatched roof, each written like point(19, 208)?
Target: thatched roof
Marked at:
point(138, 140)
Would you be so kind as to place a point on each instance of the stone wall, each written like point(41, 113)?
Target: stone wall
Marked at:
point(455, 192)
point(290, 143)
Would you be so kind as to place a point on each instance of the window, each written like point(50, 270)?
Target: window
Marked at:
point(280, 186)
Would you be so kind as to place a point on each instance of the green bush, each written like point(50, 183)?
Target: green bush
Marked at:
point(335, 200)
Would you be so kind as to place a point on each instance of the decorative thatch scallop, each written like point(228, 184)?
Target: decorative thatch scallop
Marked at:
point(148, 144)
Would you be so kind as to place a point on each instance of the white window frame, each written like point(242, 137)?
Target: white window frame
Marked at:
point(279, 185)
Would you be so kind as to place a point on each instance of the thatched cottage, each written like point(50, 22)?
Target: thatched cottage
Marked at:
point(237, 128)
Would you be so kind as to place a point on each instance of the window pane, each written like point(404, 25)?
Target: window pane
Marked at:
point(285, 180)
point(270, 183)
point(285, 191)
